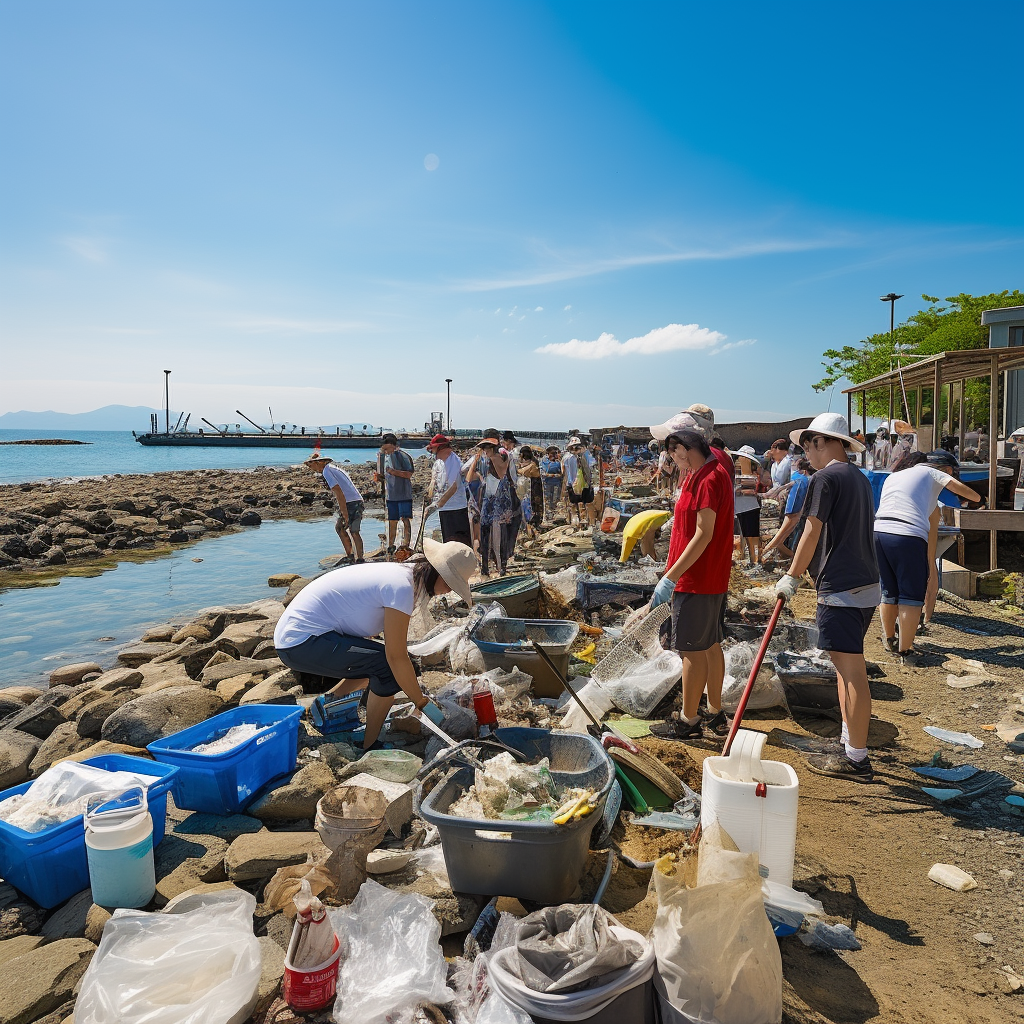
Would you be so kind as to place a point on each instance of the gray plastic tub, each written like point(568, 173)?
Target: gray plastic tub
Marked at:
point(506, 644)
point(528, 860)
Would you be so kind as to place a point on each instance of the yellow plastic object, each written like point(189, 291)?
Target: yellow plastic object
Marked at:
point(638, 525)
point(587, 654)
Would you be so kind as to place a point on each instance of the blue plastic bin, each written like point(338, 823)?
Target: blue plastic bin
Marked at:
point(50, 866)
point(225, 783)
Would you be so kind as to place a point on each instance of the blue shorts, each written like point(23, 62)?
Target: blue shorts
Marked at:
point(337, 656)
point(399, 510)
point(843, 629)
point(903, 568)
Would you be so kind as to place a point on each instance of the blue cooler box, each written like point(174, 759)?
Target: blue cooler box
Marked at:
point(50, 866)
point(225, 783)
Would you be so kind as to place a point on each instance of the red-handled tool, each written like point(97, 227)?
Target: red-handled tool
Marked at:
point(754, 669)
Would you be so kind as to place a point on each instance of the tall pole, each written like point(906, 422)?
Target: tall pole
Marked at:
point(448, 381)
point(891, 299)
point(167, 401)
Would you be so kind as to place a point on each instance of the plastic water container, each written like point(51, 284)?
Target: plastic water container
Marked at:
point(119, 850)
point(755, 801)
point(225, 783)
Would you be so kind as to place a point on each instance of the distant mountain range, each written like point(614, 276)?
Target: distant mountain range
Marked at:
point(110, 417)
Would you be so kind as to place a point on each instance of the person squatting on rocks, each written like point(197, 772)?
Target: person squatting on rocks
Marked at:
point(395, 468)
point(696, 580)
point(838, 546)
point(906, 529)
point(449, 499)
point(350, 504)
point(324, 630)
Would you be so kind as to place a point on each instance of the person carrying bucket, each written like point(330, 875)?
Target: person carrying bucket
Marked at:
point(838, 546)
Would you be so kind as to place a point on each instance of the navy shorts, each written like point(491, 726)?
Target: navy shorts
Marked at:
point(843, 629)
point(903, 568)
point(399, 510)
point(697, 621)
point(338, 656)
point(748, 524)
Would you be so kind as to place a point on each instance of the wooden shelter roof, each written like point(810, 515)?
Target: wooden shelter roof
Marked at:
point(954, 366)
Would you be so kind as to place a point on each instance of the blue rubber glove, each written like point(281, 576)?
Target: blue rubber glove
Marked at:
point(663, 592)
point(433, 712)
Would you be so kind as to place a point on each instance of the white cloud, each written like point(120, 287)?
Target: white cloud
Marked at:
point(539, 309)
point(566, 308)
point(733, 344)
point(272, 325)
point(671, 338)
point(91, 249)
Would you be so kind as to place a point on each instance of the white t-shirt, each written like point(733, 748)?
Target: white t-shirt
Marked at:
point(781, 471)
point(908, 500)
point(452, 474)
point(337, 477)
point(350, 600)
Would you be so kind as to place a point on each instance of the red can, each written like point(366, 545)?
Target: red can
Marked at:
point(306, 991)
point(483, 706)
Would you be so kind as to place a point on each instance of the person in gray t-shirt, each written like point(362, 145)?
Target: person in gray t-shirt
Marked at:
point(395, 468)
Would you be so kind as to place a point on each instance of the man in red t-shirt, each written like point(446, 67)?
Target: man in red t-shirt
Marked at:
point(697, 577)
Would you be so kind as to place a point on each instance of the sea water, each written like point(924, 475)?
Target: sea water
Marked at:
point(92, 618)
point(116, 451)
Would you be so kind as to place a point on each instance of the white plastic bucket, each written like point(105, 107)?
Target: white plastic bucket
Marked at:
point(626, 996)
point(755, 802)
point(119, 850)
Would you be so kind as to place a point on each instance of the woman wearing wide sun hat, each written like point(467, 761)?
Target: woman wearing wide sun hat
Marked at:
point(747, 504)
point(325, 629)
point(838, 546)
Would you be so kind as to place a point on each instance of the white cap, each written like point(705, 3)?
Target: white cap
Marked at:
point(681, 421)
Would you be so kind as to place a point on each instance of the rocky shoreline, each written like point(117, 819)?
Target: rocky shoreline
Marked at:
point(57, 523)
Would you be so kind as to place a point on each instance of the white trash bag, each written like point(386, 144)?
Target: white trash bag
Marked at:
point(767, 691)
point(718, 958)
point(201, 966)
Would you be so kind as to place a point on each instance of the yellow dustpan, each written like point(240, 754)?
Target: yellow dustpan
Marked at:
point(638, 525)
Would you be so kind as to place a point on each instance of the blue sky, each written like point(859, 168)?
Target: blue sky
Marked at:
point(582, 213)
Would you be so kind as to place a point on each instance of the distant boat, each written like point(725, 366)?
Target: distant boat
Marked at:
point(304, 437)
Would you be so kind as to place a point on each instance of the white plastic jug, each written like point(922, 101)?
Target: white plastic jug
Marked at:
point(119, 849)
point(755, 801)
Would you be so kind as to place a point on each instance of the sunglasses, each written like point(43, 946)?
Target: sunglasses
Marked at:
point(812, 442)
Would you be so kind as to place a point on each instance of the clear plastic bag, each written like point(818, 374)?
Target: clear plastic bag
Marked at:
point(201, 966)
point(718, 959)
point(767, 691)
point(596, 698)
point(394, 958)
point(643, 688)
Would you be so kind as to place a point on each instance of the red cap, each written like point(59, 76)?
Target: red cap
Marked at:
point(439, 441)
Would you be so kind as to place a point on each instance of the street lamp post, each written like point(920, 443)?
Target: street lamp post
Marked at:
point(891, 299)
point(448, 381)
point(167, 401)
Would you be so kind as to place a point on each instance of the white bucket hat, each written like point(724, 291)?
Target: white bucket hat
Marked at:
point(574, 442)
point(747, 452)
point(683, 421)
point(830, 424)
point(455, 562)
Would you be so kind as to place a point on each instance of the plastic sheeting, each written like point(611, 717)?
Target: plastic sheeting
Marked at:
point(767, 691)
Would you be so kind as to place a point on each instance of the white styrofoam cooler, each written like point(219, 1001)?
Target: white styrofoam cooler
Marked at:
point(755, 801)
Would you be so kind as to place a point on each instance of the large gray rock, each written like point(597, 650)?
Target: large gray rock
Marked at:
point(10, 948)
point(298, 797)
point(293, 589)
point(62, 742)
point(119, 679)
point(246, 636)
point(225, 826)
point(90, 719)
point(39, 719)
point(182, 863)
point(18, 915)
point(272, 957)
point(9, 705)
point(16, 752)
point(213, 674)
point(42, 979)
point(69, 675)
point(68, 921)
point(267, 692)
point(141, 654)
point(260, 854)
point(155, 715)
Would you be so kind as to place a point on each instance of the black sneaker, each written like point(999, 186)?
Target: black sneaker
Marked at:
point(839, 766)
point(891, 643)
point(676, 729)
point(717, 724)
point(911, 658)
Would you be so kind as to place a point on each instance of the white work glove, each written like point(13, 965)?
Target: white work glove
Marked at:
point(786, 588)
point(431, 509)
point(663, 592)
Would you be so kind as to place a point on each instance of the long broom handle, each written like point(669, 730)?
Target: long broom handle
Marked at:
point(754, 669)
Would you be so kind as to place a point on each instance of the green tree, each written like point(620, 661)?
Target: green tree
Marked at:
point(945, 328)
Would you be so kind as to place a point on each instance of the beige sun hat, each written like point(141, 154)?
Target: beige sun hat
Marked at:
point(831, 424)
point(455, 562)
point(317, 457)
point(682, 421)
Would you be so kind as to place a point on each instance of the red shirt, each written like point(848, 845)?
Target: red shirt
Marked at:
point(710, 487)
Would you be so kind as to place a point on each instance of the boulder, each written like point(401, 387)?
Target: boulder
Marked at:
point(282, 579)
point(224, 826)
point(182, 863)
point(158, 634)
point(193, 898)
point(213, 674)
point(272, 956)
point(68, 921)
point(244, 636)
point(140, 654)
point(101, 747)
point(250, 518)
point(61, 743)
point(68, 675)
point(119, 679)
point(155, 677)
point(155, 715)
point(267, 692)
point(83, 695)
point(201, 655)
point(260, 854)
point(25, 694)
point(64, 1014)
point(9, 706)
point(95, 919)
point(298, 797)
point(293, 588)
point(178, 652)
point(232, 690)
point(16, 752)
point(42, 979)
point(54, 556)
point(10, 948)
point(192, 631)
point(91, 718)
point(18, 915)
point(39, 719)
